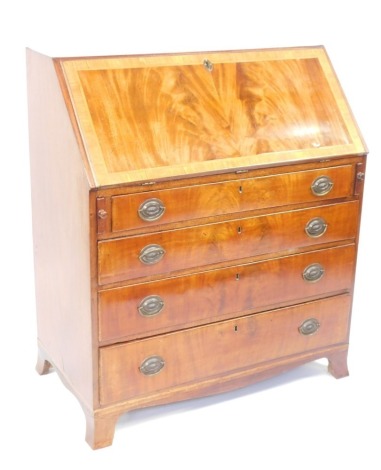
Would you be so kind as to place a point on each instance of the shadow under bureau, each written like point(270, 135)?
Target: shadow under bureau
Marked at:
point(195, 222)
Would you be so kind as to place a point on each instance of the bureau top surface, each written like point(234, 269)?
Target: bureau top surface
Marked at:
point(146, 118)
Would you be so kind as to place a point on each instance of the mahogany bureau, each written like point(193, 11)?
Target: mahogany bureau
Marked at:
point(195, 222)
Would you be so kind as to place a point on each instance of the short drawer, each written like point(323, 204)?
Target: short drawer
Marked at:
point(227, 197)
point(147, 366)
point(175, 250)
point(151, 308)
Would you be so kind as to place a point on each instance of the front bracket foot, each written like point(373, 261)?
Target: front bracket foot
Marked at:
point(337, 364)
point(100, 428)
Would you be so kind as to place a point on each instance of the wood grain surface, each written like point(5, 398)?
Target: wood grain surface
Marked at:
point(206, 351)
point(222, 293)
point(140, 121)
point(198, 201)
point(184, 114)
point(192, 247)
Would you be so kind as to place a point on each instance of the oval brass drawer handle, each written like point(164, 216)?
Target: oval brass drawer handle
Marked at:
point(151, 254)
point(316, 227)
point(322, 186)
point(309, 327)
point(151, 306)
point(151, 210)
point(152, 365)
point(313, 273)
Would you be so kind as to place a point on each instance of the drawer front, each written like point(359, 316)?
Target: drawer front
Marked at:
point(193, 202)
point(147, 366)
point(176, 250)
point(156, 307)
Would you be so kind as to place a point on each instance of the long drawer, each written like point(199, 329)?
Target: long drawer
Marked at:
point(175, 250)
point(151, 308)
point(226, 197)
point(151, 365)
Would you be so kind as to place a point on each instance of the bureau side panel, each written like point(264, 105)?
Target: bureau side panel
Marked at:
point(61, 231)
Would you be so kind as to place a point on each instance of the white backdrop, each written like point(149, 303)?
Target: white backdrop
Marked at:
point(304, 419)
